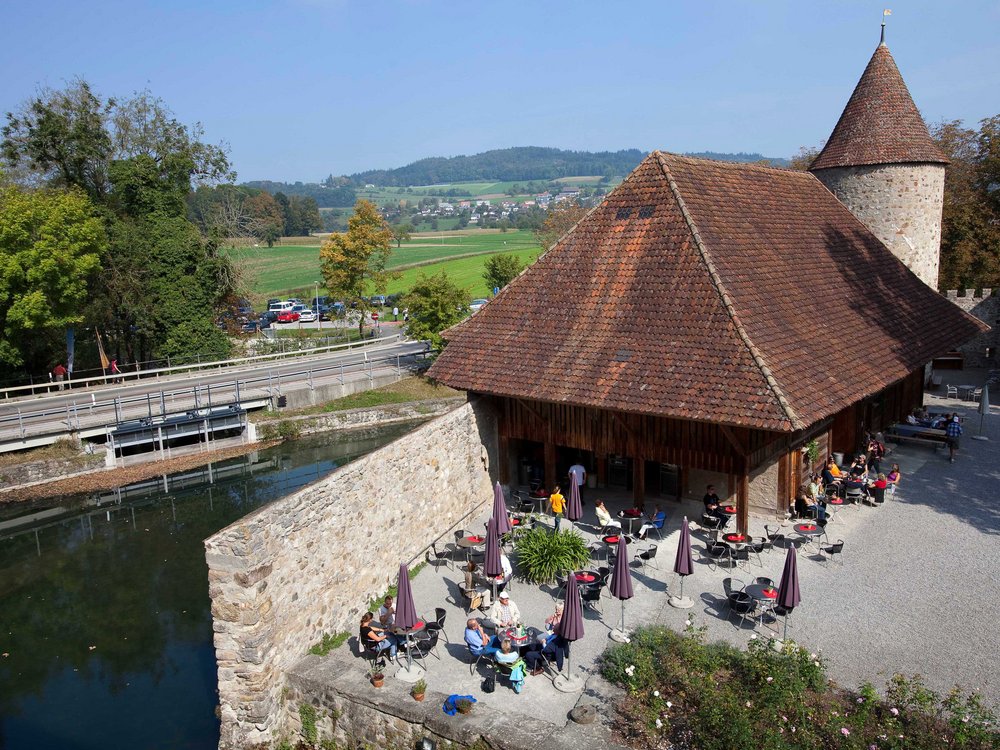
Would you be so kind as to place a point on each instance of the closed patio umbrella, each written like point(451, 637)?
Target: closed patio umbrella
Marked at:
point(683, 566)
point(984, 409)
point(570, 628)
point(788, 589)
point(406, 619)
point(500, 517)
point(574, 509)
point(491, 564)
point(621, 586)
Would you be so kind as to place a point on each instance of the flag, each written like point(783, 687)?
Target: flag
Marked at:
point(105, 364)
point(886, 12)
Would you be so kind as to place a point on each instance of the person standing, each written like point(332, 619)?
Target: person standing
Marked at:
point(395, 313)
point(557, 504)
point(59, 373)
point(953, 432)
point(579, 473)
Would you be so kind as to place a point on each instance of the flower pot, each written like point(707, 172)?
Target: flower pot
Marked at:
point(378, 680)
point(418, 696)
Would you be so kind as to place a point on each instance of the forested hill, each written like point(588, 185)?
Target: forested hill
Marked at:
point(522, 163)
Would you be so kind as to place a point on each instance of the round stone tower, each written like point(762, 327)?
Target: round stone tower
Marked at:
point(882, 164)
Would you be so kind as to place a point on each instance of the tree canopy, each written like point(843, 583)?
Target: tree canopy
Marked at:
point(560, 220)
point(353, 261)
point(435, 303)
point(501, 269)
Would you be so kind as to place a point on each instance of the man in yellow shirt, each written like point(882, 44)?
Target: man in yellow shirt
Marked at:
point(557, 504)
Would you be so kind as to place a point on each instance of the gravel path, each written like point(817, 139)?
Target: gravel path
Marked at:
point(917, 591)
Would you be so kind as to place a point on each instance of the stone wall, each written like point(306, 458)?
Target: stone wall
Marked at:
point(763, 493)
point(50, 469)
point(980, 352)
point(901, 204)
point(353, 419)
point(309, 563)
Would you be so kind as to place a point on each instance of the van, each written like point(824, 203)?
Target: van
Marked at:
point(279, 307)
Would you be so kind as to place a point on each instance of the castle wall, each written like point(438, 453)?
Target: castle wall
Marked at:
point(986, 307)
point(309, 563)
point(901, 204)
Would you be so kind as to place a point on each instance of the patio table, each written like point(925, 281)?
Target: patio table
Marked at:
point(521, 642)
point(765, 596)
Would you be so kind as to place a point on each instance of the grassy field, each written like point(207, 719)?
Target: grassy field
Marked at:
point(462, 255)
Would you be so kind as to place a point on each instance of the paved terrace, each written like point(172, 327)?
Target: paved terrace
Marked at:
point(916, 591)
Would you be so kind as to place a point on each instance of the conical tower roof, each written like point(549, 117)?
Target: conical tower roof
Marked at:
point(880, 124)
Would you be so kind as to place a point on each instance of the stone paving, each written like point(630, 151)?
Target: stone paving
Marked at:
point(915, 592)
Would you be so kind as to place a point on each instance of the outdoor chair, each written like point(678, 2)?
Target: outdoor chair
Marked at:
point(523, 503)
point(712, 524)
point(878, 496)
point(437, 624)
point(375, 657)
point(591, 596)
point(436, 556)
point(732, 585)
point(854, 496)
point(646, 557)
point(764, 581)
point(951, 391)
point(741, 604)
point(717, 553)
point(837, 548)
point(773, 534)
point(474, 660)
point(422, 644)
point(756, 547)
point(605, 574)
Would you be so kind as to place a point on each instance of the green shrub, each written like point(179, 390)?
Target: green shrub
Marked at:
point(543, 555)
point(328, 643)
point(307, 714)
point(687, 693)
point(283, 430)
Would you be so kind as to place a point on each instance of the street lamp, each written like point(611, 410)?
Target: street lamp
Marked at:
point(319, 318)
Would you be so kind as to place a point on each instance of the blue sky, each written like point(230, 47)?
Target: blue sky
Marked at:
point(303, 88)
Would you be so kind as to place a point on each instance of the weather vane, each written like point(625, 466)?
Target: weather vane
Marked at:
point(886, 12)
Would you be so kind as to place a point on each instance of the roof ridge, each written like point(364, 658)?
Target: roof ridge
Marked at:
point(732, 164)
point(727, 302)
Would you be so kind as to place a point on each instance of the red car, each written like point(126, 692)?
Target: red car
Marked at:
point(288, 316)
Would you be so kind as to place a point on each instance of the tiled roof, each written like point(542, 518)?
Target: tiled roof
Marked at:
point(880, 124)
point(710, 291)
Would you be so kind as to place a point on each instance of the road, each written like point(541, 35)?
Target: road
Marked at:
point(39, 420)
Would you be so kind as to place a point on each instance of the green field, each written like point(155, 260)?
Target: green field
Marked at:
point(272, 271)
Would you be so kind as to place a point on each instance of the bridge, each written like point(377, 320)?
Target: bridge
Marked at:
point(152, 407)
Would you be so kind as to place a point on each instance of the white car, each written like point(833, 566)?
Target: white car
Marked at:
point(307, 316)
point(477, 304)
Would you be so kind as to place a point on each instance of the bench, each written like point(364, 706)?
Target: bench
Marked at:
point(934, 441)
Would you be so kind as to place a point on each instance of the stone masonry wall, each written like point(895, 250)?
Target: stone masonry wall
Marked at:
point(309, 563)
point(982, 350)
point(55, 468)
point(901, 204)
point(763, 493)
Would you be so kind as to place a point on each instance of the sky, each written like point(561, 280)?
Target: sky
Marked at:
point(301, 89)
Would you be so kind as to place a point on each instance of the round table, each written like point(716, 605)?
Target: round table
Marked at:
point(729, 510)
point(521, 642)
point(809, 529)
point(631, 516)
point(587, 577)
point(766, 602)
point(736, 538)
point(613, 539)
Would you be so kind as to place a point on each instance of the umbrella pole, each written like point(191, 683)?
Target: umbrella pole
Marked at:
point(623, 616)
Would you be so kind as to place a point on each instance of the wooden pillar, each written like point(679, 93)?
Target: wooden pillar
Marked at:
point(504, 458)
point(743, 500)
point(781, 502)
point(550, 465)
point(601, 460)
point(639, 481)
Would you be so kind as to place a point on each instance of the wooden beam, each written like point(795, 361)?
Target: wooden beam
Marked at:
point(550, 465)
point(743, 500)
point(735, 439)
point(639, 481)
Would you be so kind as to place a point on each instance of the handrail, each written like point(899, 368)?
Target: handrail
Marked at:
point(52, 387)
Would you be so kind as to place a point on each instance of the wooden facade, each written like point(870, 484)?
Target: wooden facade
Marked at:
point(734, 451)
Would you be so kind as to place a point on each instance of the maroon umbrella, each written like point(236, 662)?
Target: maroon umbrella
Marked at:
point(574, 509)
point(500, 517)
point(491, 565)
point(621, 579)
point(406, 611)
point(788, 589)
point(570, 627)
point(682, 563)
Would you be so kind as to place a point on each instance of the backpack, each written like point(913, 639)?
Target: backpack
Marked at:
point(489, 684)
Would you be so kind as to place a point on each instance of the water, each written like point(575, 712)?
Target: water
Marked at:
point(105, 627)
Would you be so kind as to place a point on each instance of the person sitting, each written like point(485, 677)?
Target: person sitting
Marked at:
point(859, 468)
point(506, 567)
point(479, 596)
point(551, 622)
point(373, 636)
point(815, 489)
point(893, 478)
point(713, 505)
point(881, 482)
point(506, 654)
point(604, 517)
point(387, 613)
point(831, 485)
point(655, 522)
point(504, 613)
point(479, 643)
point(832, 467)
point(806, 507)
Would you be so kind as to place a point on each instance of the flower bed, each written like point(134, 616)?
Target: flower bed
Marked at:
point(685, 693)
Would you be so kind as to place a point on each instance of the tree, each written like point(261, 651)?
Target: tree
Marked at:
point(266, 220)
point(804, 158)
point(435, 303)
point(560, 220)
point(970, 232)
point(355, 260)
point(401, 233)
point(50, 248)
point(501, 269)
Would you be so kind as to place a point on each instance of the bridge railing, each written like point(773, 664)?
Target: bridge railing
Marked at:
point(99, 413)
point(156, 372)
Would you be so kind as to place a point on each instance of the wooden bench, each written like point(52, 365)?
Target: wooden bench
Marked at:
point(935, 441)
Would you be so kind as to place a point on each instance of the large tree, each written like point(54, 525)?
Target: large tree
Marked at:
point(50, 248)
point(355, 260)
point(560, 220)
point(501, 269)
point(435, 303)
point(266, 220)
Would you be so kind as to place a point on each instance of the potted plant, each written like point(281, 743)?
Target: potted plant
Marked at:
point(464, 705)
point(376, 675)
point(419, 689)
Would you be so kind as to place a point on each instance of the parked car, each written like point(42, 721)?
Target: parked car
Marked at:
point(267, 317)
point(254, 326)
point(378, 300)
point(288, 316)
point(280, 307)
point(307, 316)
point(477, 304)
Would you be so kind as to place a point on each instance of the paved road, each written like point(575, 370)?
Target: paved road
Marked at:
point(35, 419)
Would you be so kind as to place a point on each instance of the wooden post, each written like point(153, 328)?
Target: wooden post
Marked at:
point(639, 481)
point(783, 473)
point(550, 465)
point(601, 460)
point(743, 500)
point(504, 458)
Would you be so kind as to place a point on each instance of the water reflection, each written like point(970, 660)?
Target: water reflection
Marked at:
point(105, 627)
